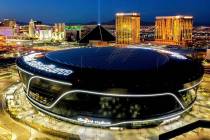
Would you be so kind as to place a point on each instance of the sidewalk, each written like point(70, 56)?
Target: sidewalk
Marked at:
point(6, 134)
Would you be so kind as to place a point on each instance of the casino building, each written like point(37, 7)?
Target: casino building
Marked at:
point(127, 28)
point(111, 87)
point(174, 30)
point(2, 40)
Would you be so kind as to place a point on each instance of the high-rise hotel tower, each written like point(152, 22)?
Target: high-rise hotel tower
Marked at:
point(31, 28)
point(127, 28)
point(174, 30)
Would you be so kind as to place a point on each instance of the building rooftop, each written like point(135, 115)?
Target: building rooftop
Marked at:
point(110, 58)
point(175, 17)
point(128, 14)
point(145, 66)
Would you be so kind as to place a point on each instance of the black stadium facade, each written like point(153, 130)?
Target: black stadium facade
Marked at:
point(111, 87)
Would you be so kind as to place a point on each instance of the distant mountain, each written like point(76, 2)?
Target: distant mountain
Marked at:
point(21, 23)
point(150, 23)
point(147, 23)
point(201, 24)
point(79, 23)
point(26, 23)
point(112, 22)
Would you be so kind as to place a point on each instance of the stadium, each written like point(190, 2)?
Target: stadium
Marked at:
point(111, 87)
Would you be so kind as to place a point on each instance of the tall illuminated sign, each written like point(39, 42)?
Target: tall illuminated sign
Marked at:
point(72, 28)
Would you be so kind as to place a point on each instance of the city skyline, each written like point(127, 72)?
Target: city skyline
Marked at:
point(104, 69)
point(82, 11)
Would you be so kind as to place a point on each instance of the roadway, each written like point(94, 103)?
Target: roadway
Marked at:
point(21, 133)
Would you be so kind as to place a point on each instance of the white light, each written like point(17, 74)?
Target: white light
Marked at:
point(31, 61)
point(31, 57)
point(115, 124)
point(98, 93)
point(171, 120)
point(18, 43)
point(35, 103)
point(172, 54)
point(48, 68)
point(90, 121)
point(195, 85)
point(127, 14)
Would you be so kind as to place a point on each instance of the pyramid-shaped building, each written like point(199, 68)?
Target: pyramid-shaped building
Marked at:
point(99, 34)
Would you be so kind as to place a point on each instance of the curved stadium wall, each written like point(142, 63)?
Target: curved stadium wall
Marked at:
point(101, 95)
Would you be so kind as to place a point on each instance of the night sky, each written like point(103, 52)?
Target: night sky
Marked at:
point(83, 11)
